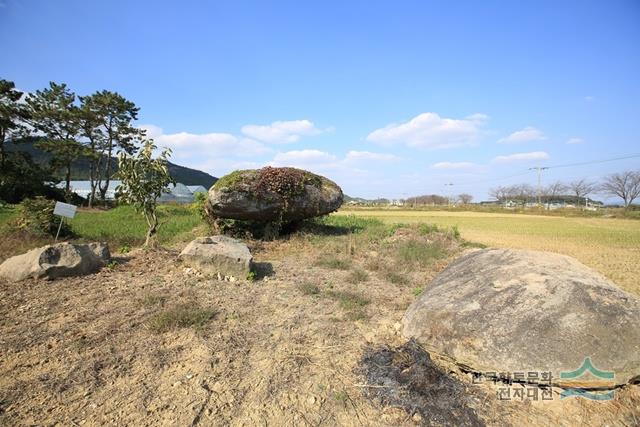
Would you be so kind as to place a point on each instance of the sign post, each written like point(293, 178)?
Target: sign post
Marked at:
point(63, 210)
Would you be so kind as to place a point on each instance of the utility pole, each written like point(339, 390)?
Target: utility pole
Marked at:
point(539, 169)
point(450, 184)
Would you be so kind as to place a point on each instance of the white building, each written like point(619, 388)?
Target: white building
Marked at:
point(180, 193)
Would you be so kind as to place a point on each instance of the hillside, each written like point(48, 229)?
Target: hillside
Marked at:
point(80, 168)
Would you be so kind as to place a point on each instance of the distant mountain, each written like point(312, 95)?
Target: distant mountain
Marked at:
point(80, 168)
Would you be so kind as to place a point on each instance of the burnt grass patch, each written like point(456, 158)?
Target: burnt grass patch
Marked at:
point(406, 377)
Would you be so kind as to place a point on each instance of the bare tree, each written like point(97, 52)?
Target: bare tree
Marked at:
point(465, 198)
point(581, 189)
point(521, 192)
point(499, 193)
point(625, 185)
point(552, 191)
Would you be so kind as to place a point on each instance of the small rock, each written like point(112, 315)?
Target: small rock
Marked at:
point(57, 260)
point(221, 255)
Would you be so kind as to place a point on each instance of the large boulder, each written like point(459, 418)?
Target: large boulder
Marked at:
point(273, 194)
point(57, 260)
point(502, 310)
point(218, 255)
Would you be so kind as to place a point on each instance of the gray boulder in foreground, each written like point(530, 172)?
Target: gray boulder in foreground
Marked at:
point(273, 194)
point(57, 260)
point(218, 254)
point(502, 310)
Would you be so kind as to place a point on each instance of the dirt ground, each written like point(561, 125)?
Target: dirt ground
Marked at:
point(295, 347)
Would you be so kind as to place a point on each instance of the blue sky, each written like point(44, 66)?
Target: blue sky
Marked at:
point(387, 98)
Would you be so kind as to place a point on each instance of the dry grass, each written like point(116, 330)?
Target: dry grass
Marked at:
point(180, 316)
point(610, 246)
point(279, 351)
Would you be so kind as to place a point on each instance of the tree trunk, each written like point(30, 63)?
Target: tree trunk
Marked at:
point(152, 220)
point(92, 183)
point(107, 177)
point(2, 155)
point(68, 181)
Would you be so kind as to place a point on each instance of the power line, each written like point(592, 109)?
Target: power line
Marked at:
point(494, 179)
point(592, 162)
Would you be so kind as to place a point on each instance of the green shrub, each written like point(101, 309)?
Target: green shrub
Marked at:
point(198, 205)
point(428, 229)
point(36, 216)
point(454, 232)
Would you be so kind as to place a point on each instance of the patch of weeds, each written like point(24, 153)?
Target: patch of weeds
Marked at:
point(357, 276)
point(395, 277)
point(112, 265)
point(180, 316)
point(357, 314)
point(125, 248)
point(340, 396)
point(373, 265)
point(421, 253)
point(349, 300)
point(151, 300)
point(454, 232)
point(382, 231)
point(334, 262)
point(309, 288)
point(349, 223)
point(425, 229)
point(417, 291)
point(252, 276)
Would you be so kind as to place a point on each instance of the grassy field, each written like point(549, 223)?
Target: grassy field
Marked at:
point(610, 246)
point(121, 227)
point(124, 226)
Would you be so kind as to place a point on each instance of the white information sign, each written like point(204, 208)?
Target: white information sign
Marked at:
point(64, 209)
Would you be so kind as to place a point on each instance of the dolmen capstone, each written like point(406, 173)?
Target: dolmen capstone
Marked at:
point(273, 194)
point(218, 255)
point(504, 310)
point(57, 260)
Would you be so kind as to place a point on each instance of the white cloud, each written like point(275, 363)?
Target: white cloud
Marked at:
point(204, 145)
point(575, 141)
point(520, 157)
point(283, 132)
point(454, 165)
point(527, 134)
point(429, 130)
point(369, 156)
point(303, 157)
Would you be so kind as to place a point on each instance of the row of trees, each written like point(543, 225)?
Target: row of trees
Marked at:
point(96, 127)
point(427, 199)
point(625, 185)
